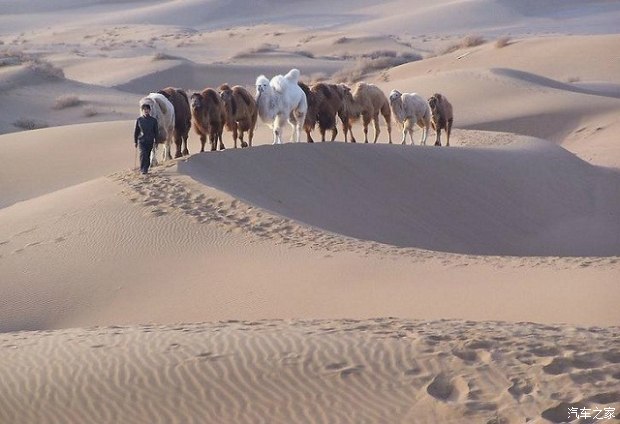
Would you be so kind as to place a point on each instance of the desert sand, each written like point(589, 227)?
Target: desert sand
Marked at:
point(325, 282)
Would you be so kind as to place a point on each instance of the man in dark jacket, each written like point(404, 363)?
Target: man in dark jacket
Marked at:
point(145, 134)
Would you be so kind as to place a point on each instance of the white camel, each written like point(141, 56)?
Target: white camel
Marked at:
point(410, 109)
point(163, 111)
point(279, 100)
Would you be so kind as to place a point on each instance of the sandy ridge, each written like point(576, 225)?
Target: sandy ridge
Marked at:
point(165, 191)
point(338, 370)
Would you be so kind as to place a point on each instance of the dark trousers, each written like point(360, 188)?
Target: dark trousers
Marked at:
point(145, 155)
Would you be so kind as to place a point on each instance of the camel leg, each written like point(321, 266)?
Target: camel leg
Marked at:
point(275, 136)
point(250, 136)
point(353, 140)
point(365, 122)
point(334, 132)
point(322, 134)
point(293, 138)
point(298, 119)
point(221, 139)
point(203, 141)
point(213, 141)
point(405, 131)
point(169, 151)
point(343, 121)
point(154, 152)
point(375, 124)
point(309, 138)
point(347, 127)
point(423, 136)
point(298, 129)
point(243, 143)
point(185, 149)
point(448, 131)
point(438, 139)
point(235, 136)
point(278, 124)
point(178, 141)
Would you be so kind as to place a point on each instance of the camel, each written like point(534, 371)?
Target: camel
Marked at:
point(442, 116)
point(279, 100)
point(182, 118)
point(410, 109)
point(241, 112)
point(208, 117)
point(367, 101)
point(324, 103)
point(163, 111)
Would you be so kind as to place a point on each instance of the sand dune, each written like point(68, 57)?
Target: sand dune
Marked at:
point(437, 199)
point(110, 251)
point(45, 160)
point(197, 77)
point(377, 370)
point(499, 256)
point(488, 16)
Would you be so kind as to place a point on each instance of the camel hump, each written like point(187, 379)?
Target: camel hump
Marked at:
point(304, 88)
point(245, 96)
point(293, 75)
point(163, 105)
point(211, 95)
point(224, 87)
point(164, 93)
point(324, 89)
point(184, 94)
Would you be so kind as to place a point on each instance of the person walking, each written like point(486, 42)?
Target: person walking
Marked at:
point(145, 134)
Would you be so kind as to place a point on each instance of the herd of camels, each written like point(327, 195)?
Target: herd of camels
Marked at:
point(284, 98)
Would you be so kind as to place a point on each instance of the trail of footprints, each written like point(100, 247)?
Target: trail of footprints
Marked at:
point(165, 194)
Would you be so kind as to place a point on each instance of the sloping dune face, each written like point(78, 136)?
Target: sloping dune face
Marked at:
point(527, 199)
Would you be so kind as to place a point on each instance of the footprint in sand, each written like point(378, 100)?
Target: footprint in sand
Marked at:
point(445, 389)
point(520, 388)
point(612, 356)
point(606, 398)
point(542, 351)
point(466, 355)
point(335, 366)
point(558, 366)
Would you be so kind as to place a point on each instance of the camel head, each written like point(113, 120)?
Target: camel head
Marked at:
point(195, 101)
point(432, 102)
point(344, 91)
point(348, 104)
point(227, 97)
point(225, 92)
point(262, 84)
point(395, 95)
